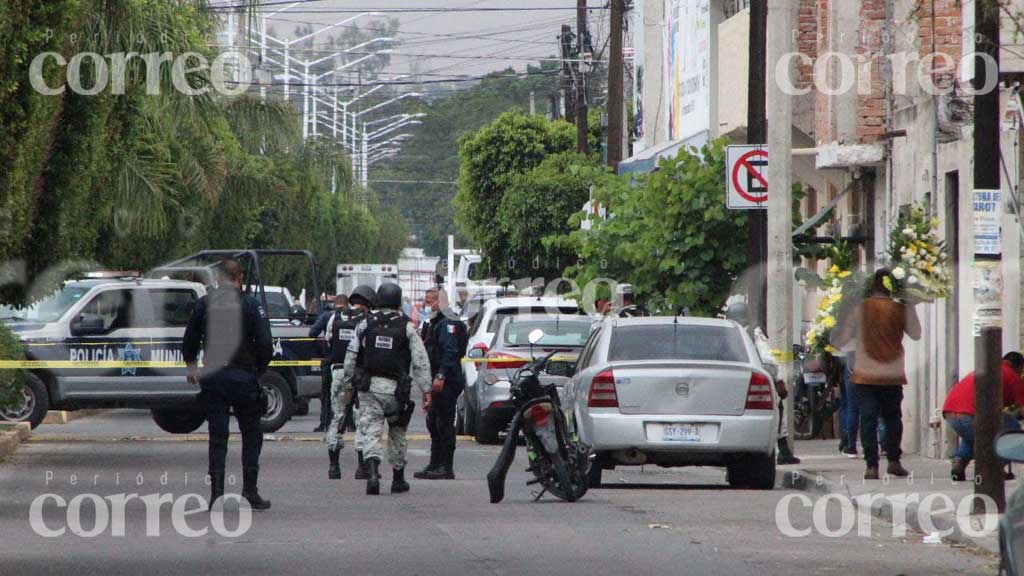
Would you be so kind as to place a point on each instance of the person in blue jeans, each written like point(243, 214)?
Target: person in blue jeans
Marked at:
point(958, 410)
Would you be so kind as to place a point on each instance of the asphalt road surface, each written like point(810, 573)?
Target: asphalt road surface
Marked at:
point(649, 521)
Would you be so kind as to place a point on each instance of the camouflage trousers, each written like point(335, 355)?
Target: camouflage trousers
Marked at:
point(374, 410)
point(334, 437)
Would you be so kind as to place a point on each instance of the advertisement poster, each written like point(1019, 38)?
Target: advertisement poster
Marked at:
point(988, 214)
point(689, 67)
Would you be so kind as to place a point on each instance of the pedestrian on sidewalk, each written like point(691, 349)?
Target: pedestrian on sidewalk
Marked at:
point(878, 327)
point(958, 410)
point(739, 312)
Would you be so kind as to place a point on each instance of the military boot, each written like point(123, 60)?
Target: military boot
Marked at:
point(334, 471)
point(361, 467)
point(216, 487)
point(250, 491)
point(398, 483)
point(372, 476)
point(430, 467)
point(785, 454)
point(444, 469)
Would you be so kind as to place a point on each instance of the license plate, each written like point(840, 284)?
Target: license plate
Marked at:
point(814, 378)
point(680, 433)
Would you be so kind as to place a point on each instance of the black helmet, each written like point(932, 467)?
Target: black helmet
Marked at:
point(738, 312)
point(389, 295)
point(364, 293)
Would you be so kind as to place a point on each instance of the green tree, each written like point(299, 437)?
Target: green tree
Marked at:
point(538, 204)
point(492, 157)
point(669, 234)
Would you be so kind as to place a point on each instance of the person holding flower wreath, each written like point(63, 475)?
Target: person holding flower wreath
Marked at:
point(878, 327)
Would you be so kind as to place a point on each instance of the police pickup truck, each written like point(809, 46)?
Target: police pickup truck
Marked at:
point(116, 343)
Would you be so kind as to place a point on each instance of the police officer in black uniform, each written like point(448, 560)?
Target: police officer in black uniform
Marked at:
point(318, 328)
point(445, 339)
point(340, 329)
point(233, 331)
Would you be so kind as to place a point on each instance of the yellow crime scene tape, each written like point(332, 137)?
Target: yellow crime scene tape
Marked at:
point(106, 364)
point(512, 360)
point(783, 355)
point(142, 342)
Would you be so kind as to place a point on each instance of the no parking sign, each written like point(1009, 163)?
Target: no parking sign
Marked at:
point(746, 177)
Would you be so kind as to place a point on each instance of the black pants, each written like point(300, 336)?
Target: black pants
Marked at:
point(883, 402)
point(326, 413)
point(441, 423)
point(238, 390)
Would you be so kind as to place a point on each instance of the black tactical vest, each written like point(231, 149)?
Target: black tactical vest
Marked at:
point(343, 329)
point(385, 345)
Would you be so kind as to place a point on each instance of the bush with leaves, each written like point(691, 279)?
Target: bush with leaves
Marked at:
point(11, 381)
point(670, 234)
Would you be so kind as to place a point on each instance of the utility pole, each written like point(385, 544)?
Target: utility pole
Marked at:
point(582, 44)
point(757, 133)
point(781, 23)
point(616, 85)
point(988, 392)
point(567, 90)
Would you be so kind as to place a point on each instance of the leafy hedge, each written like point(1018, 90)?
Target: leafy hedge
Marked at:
point(10, 380)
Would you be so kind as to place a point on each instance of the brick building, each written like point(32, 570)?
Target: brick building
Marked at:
point(872, 136)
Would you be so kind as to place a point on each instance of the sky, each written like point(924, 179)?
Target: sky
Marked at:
point(441, 44)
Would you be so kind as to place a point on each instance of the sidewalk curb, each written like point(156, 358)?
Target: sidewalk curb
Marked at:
point(11, 435)
point(806, 480)
point(65, 416)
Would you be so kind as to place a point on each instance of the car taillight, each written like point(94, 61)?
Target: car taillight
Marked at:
point(602, 391)
point(502, 360)
point(539, 415)
point(759, 394)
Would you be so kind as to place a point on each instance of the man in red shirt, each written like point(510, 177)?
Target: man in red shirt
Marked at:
point(958, 410)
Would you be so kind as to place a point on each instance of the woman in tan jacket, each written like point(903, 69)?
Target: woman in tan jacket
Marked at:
point(879, 325)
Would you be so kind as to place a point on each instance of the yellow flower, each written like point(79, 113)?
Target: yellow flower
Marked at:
point(834, 269)
point(811, 337)
point(845, 274)
point(935, 223)
point(887, 281)
point(931, 268)
point(829, 322)
point(912, 248)
point(831, 349)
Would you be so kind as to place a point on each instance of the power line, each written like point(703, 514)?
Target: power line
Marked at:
point(445, 10)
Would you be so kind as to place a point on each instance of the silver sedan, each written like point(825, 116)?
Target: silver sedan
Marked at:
point(675, 392)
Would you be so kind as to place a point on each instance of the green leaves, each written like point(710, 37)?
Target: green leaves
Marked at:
point(670, 234)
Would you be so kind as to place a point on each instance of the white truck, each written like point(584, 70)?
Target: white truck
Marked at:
point(351, 275)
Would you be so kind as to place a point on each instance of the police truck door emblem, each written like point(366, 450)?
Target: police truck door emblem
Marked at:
point(383, 343)
point(128, 354)
point(683, 389)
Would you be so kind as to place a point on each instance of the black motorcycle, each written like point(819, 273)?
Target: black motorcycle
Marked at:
point(558, 461)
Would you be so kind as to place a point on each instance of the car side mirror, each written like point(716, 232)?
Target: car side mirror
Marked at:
point(1010, 446)
point(87, 325)
point(297, 314)
point(476, 352)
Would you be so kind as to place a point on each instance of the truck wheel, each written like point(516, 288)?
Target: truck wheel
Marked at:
point(302, 407)
point(179, 420)
point(278, 404)
point(34, 404)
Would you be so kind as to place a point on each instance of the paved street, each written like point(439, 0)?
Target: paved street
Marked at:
point(647, 522)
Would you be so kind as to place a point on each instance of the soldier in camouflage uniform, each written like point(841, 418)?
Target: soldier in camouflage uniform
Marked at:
point(340, 330)
point(387, 353)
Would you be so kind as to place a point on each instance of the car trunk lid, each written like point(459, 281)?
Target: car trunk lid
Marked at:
point(682, 387)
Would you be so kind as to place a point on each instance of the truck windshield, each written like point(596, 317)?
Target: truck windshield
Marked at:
point(49, 309)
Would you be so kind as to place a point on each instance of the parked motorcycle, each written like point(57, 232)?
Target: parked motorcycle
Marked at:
point(814, 397)
point(558, 461)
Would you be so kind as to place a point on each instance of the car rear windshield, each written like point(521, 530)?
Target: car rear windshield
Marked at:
point(570, 333)
point(503, 313)
point(677, 342)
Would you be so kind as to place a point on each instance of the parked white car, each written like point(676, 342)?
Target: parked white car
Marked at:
point(675, 392)
point(484, 323)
